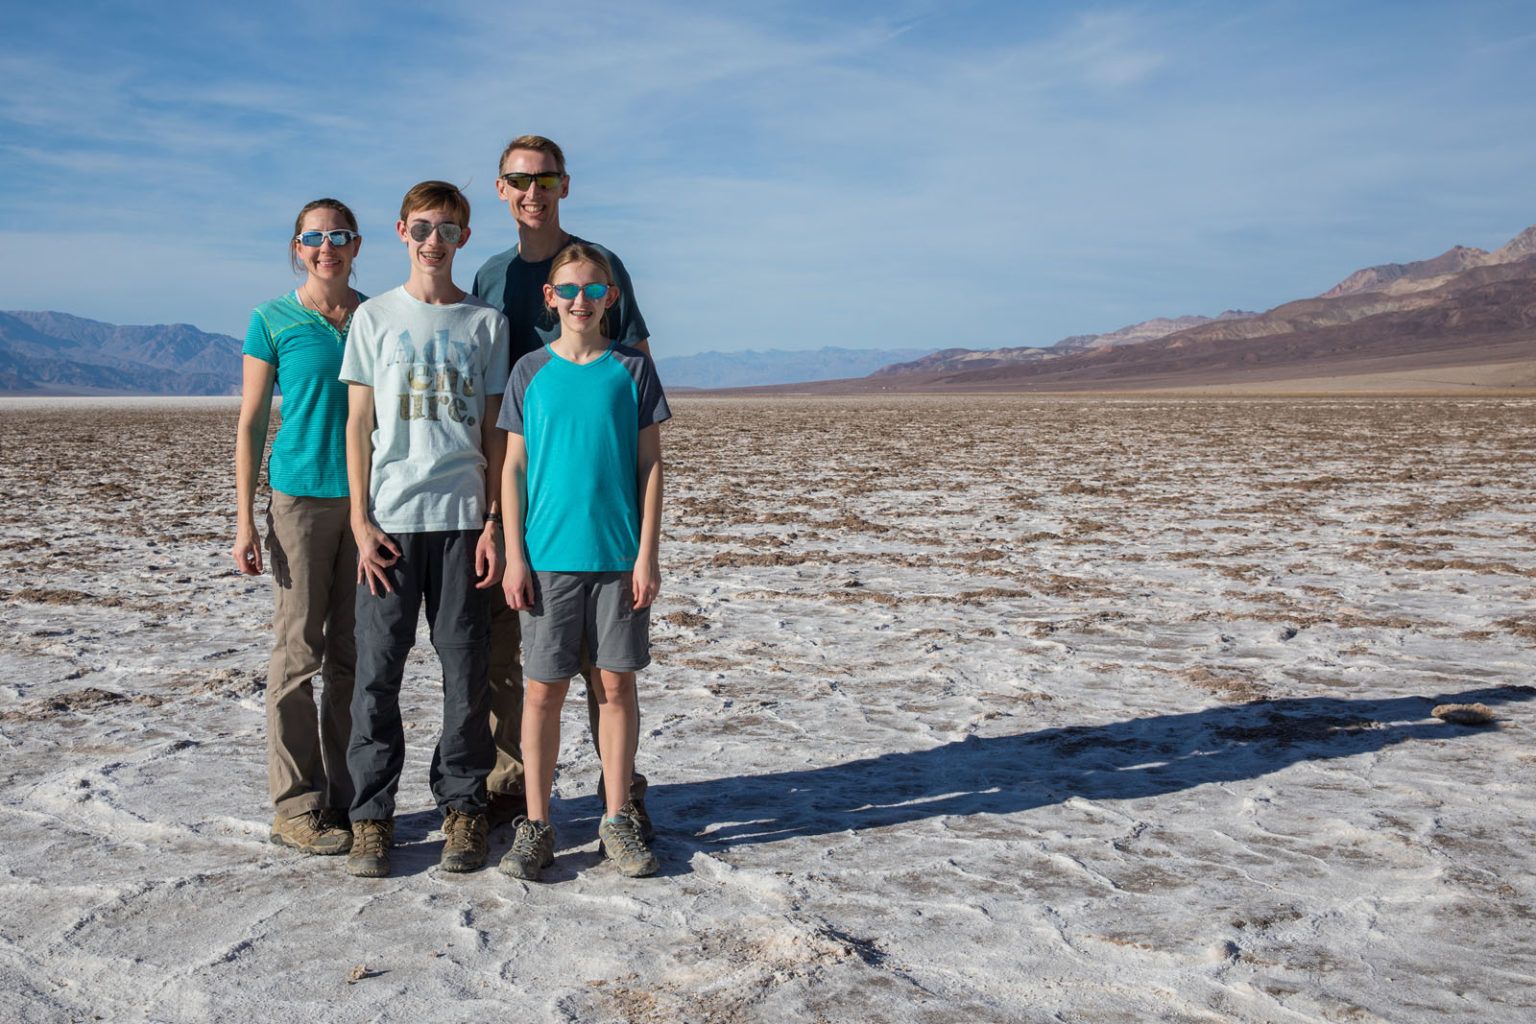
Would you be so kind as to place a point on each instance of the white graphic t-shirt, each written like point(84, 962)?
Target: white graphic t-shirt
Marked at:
point(430, 368)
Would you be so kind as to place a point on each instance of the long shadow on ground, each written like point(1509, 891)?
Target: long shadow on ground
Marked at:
point(1002, 775)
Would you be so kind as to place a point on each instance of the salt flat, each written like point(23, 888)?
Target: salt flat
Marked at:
point(965, 709)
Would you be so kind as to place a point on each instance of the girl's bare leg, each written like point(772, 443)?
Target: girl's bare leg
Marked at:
point(541, 741)
point(617, 734)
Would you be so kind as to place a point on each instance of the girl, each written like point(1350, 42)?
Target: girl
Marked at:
point(297, 340)
point(581, 489)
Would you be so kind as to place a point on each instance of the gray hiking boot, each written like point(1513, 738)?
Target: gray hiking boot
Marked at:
point(635, 808)
point(371, 840)
point(464, 846)
point(311, 832)
point(621, 842)
point(533, 850)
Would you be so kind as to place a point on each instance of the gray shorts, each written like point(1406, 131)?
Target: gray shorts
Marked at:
point(570, 605)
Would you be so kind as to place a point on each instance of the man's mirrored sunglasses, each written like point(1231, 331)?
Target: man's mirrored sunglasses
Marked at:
point(594, 292)
point(448, 231)
point(314, 239)
point(547, 179)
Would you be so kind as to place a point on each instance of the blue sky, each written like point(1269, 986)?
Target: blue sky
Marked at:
point(776, 175)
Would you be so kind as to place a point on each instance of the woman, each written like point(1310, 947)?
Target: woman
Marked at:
point(297, 340)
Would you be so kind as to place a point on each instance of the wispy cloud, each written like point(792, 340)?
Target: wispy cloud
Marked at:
point(787, 176)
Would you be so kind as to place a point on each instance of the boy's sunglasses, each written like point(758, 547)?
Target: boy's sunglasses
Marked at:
point(594, 292)
point(547, 179)
point(448, 231)
point(314, 239)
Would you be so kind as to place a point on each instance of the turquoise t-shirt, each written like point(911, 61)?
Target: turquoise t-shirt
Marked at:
point(309, 454)
point(581, 425)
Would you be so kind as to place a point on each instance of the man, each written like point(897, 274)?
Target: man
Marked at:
point(532, 181)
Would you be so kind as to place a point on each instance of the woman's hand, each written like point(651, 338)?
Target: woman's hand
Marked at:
point(247, 551)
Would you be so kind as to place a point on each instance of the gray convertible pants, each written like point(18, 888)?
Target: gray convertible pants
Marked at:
point(440, 568)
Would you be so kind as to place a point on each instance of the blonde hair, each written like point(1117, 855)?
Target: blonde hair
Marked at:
point(537, 143)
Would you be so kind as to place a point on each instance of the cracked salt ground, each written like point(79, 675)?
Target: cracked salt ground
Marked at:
point(963, 710)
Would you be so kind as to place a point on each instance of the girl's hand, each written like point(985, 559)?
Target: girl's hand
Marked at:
point(488, 560)
point(247, 551)
point(645, 582)
point(517, 584)
point(372, 546)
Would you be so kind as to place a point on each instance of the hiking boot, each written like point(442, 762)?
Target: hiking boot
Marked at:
point(635, 808)
point(505, 808)
point(311, 832)
point(371, 840)
point(533, 850)
point(464, 846)
point(621, 842)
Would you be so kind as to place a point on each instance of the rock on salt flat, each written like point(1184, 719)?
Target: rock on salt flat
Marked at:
point(963, 710)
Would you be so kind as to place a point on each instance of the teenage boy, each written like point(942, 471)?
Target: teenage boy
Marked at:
point(426, 366)
point(531, 181)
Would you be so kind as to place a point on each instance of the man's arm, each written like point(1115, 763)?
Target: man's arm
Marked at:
point(493, 443)
point(372, 542)
point(646, 581)
point(517, 582)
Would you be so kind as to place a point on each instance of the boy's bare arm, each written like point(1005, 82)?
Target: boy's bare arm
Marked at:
point(516, 582)
point(493, 443)
point(376, 551)
point(646, 582)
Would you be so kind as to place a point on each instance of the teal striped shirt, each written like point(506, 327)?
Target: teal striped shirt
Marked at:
point(309, 454)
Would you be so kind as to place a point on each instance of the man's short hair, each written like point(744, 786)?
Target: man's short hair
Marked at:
point(436, 195)
point(538, 144)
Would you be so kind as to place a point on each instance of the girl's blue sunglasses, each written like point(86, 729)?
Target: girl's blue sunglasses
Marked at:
point(594, 292)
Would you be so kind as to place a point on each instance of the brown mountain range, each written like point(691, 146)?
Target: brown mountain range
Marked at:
point(1466, 318)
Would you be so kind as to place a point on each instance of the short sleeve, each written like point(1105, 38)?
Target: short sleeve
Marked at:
point(512, 401)
point(630, 329)
point(652, 400)
point(258, 339)
point(357, 361)
point(499, 364)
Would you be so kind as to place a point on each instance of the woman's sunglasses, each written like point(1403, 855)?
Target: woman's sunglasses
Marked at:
point(593, 292)
point(314, 239)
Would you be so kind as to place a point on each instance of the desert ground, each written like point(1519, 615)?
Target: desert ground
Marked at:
point(964, 709)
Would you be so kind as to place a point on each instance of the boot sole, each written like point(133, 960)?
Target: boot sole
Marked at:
point(314, 851)
point(368, 870)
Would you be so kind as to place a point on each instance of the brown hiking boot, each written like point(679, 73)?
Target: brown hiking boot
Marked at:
point(311, 832)
point(505, 808)
point(464, 846)
point(371, 840)
point(635, 808)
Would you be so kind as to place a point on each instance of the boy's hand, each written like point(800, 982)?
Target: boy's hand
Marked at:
point(488, 560)
point(372, 545)
point(645, 582)
point(517, 584)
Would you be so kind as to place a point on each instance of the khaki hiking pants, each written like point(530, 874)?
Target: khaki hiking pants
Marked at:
point(314, 573)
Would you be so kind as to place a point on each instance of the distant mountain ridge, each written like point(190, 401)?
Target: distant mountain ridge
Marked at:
point(48, 352)
point(774, 366)
point(1434, 311)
